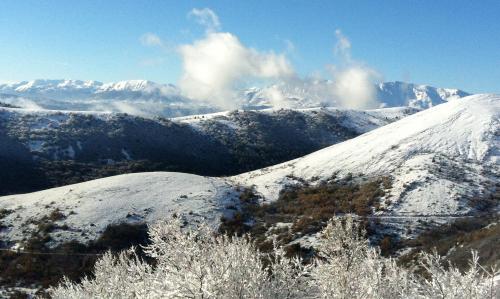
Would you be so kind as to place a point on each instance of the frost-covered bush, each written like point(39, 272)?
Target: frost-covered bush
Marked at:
point(450, 282)
point(193, 264)
point(196, 263)
point(348, 267)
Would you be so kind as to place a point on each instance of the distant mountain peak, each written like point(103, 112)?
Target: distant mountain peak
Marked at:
point(316, 93)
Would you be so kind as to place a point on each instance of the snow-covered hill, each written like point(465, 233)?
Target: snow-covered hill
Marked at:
point(359, 121)
point(142, 97)
point(439, 159)
point(88, 208)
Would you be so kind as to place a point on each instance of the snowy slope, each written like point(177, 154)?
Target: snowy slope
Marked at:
point(91, 206)
point(438, 158)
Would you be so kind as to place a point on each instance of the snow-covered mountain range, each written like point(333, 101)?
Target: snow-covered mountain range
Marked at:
point(142, 97)
point(75, 89)
point(440, 161)
point(136, 97)
point(316, 94)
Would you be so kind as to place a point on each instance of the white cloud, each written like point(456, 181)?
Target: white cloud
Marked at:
point(343, 46)
point(354, 87)
point(350, 84)
point(129, 108)
point(218, 66)
point(215, 67)
point(353, 82)
point(151, 40)
point(206, 17)
point(22, 102)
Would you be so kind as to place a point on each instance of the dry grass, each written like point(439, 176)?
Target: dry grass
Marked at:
point(43, 266)
point(306, 208)
point(457, 239)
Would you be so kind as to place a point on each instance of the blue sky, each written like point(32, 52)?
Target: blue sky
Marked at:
point(441, 43)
